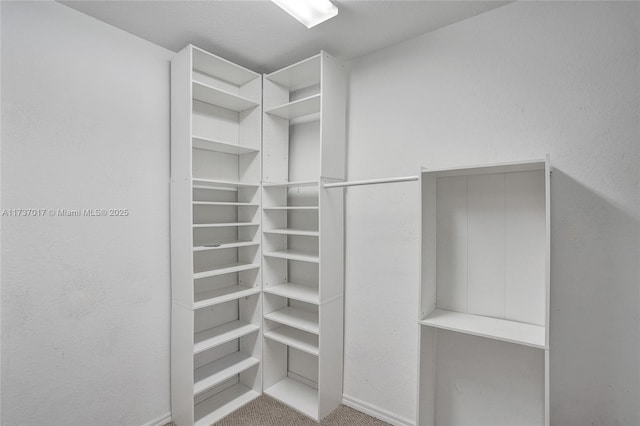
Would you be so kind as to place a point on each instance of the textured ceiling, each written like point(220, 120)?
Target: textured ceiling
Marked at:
point(262, 37)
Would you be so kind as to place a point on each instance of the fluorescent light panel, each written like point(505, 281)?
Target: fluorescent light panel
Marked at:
point(309, 12)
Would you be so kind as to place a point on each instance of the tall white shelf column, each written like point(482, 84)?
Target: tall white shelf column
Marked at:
point(216, 317)
point(484, 303)
point(303, 262)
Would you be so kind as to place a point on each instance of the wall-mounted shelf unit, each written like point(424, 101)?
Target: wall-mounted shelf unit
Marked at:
point(484, 304)
point(303, 147)
point(216, 341)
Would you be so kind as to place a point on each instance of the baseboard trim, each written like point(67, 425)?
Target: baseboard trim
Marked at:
point(373, 411)
point(160, 421)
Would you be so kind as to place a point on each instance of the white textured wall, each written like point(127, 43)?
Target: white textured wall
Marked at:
point(512, 84)
point(85, 300)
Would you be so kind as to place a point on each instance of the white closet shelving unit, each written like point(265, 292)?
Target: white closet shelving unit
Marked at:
point(484, 304)
point(303, 147)
point(216, 341)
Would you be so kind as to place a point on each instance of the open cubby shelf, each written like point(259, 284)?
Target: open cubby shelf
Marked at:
point(295, 338)
point(301, 292)
point(201, 142)
point(296, 318)
point(222, 404)
point(212, 95)
point(225, 245)
point(297, 395)
point(292, 231)
point(216, 372)
point(223, 295)
point(224, 333)
point(484, 300)
point(294, 255)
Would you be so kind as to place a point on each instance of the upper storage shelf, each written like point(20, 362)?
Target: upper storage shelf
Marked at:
point(485, 251)
point(212, 95)
point(211, 65)
point(217, 81)
point(299, 75)
point(298, 108)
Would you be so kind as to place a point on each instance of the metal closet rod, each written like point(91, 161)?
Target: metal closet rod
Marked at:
point(371, 181)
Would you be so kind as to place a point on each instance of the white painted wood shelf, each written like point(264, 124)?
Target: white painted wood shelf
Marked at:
point(292, 183)
point(224, 204)
point(224, 225)
point(294, 338)
point(302, 292)
point(202, 183)
point(292, 231)
point(223, 295)
point(298, 108)
point(201, 142)
point(216, 336)
point(225, 245)
point(226, 269)
point(216, 372)
point(493, 328)
point(294, 255)
point(297, 395)
point(310, 208)
point(296, 318)
point(222, 404)
point(212, 95)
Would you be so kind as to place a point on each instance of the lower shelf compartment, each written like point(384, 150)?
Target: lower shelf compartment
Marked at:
point(226, 294)
point(493, 328)
point(294, 338)
point(296, 395)
point(222, 369)
point(224, 333)
point(222, 404)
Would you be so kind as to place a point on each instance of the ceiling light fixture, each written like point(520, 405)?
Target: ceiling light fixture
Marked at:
point(309, 12)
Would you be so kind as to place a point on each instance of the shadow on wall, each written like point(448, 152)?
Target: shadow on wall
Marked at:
point(595, 305)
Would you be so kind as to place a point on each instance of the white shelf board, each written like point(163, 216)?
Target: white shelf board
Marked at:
point(220, 68)
point(224, 333)
point(310, 208)
point(294, 338)
point(222, 404)
point(291, 231)
point(493, 328)
point(296, 395)
point(296, 318)
point(214, 96)
point(215, 297)
point(223, 203)
point(224, 225)
point(208, 144)
point(218, 371)
point(299, 75)
point(301, 292)
point(226, 269)
point(299, 108)
point(199, 183)
point(226, 245)
point(294, 183)
point(294, 255)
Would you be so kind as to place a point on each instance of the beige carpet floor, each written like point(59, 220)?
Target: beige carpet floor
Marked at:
point(266, 411)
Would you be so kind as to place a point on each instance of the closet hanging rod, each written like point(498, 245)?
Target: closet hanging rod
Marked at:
point(371, 181)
